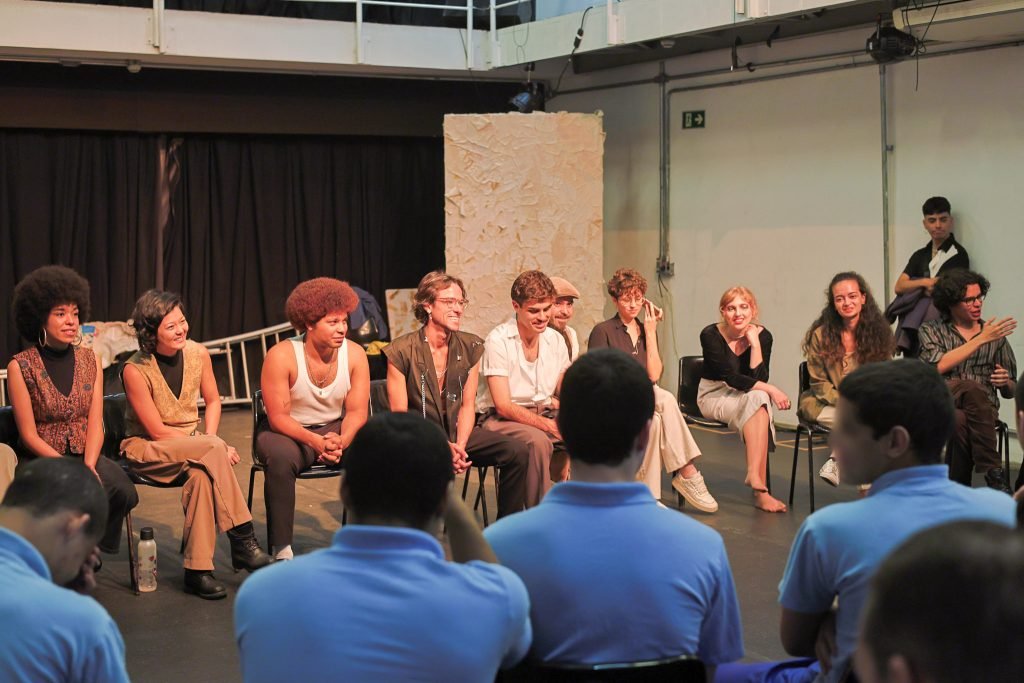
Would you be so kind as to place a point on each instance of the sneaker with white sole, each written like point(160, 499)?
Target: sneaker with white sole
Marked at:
point(830, 472)
point(695, 492)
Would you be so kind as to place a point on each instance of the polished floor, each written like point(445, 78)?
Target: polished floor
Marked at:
point(171, 636)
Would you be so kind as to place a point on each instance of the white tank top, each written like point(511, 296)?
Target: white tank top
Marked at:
point(312, 405)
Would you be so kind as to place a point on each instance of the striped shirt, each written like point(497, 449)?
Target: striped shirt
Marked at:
point(939, 337)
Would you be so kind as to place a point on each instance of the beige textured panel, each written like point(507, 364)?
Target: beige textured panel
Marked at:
point(524, 191)
point(400, 303)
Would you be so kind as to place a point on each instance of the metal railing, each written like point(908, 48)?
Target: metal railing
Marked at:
point(158, 39)
point(237, 364)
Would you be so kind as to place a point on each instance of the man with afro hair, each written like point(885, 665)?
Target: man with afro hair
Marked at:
point(316, 387)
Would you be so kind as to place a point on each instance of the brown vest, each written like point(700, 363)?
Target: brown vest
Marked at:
point(177, 412)
point(61, 421)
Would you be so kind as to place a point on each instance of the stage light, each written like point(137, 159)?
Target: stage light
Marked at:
point(531, 98)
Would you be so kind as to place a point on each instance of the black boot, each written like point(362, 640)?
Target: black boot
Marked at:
point(203, 584)
point(995, 478)
point(245, 549)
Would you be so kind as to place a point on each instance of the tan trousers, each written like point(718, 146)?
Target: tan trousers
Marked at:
point(671, 446)
point(211, 498)
point(8, 461)
point(540, 445)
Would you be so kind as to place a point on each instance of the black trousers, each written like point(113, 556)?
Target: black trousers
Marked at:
point(284, 458)
point(121, 497)
point(511, 457)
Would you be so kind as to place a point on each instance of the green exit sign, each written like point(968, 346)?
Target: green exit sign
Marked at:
point(693, 119)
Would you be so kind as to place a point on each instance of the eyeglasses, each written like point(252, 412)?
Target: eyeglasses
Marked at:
point(971, 300)
point(636, 299)
point(452, 302)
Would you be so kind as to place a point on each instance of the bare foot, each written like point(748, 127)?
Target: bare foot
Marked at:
point(764, 501)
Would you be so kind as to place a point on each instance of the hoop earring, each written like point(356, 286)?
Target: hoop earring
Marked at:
point(42, 332)
point(79, 338)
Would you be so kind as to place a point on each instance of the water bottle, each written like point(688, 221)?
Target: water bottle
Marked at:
point(147, 560)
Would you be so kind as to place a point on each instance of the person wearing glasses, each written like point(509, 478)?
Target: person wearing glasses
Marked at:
point(432, 370)
point(670, 445)
point(976, 360)
point(316, 387)
point(163, 382)
point(849, 332)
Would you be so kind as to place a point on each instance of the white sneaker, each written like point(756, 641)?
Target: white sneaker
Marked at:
point(830, 472)
point(284, 554)
point(695, 492)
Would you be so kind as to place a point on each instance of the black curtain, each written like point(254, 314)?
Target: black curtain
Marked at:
point(84, 200)
point(251, 217)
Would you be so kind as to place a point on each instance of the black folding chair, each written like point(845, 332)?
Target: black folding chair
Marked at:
point(812, 430)
point(690, 370)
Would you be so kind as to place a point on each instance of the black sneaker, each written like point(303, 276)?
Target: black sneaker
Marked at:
point(995, 478)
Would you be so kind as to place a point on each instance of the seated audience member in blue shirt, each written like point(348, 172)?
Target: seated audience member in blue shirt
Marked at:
point(382, 603)
point(893, 420)
point(963, 574)
point(51, 519)
point(612, 576)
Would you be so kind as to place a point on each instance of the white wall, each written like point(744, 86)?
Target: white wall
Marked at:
point(961, 135)
point(754, 200)
point(783, 187)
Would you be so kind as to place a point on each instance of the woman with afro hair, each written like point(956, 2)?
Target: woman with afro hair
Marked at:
point(56, 387)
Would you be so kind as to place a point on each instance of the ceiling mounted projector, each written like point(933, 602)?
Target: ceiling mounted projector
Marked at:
point(889, 44)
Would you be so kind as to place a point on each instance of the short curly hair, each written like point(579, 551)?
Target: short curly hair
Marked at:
point(313, 299)
point(150, 310)
point(951, 288)
point(428, 289)
point(533, 285)
point(40, 291)
point(626, 280)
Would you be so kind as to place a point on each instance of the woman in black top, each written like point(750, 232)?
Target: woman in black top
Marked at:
point(734, 385)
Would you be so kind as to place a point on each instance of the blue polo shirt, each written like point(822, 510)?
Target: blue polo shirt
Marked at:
point(380, 604)
point(50, 634)
point(613, 577)
point(837, 549)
